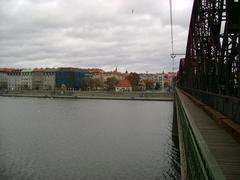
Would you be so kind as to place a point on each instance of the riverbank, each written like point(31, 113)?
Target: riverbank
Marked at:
point(141, 96)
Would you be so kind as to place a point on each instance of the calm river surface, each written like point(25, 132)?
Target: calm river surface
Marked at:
point(63, 139)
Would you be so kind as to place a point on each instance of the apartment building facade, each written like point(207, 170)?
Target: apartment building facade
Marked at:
point(49, 78)
point(37, 79)
point(26, 79)
point(14, 80)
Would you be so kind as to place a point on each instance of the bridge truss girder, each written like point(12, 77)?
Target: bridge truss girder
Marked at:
point(212, 55)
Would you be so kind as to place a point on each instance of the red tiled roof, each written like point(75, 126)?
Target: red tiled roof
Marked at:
point(123, 83)
point(95, 70)
point(6, 70)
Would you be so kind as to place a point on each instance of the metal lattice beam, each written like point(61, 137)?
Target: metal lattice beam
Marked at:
point(212, 56)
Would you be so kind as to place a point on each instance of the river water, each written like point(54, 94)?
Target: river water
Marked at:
point(68, 139)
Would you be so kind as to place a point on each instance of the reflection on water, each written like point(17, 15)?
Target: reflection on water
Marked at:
point(173, 153)
point(172, 173)
point(48, 139)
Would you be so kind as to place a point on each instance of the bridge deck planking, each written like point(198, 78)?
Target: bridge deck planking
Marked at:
point(223, 146)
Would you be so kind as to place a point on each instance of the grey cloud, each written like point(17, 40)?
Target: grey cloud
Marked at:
point(101, 33)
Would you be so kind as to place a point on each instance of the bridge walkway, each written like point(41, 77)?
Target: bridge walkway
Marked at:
point(224, 148)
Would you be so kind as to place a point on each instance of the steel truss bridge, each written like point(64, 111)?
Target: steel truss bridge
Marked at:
point(208, 84)
point(212, 56)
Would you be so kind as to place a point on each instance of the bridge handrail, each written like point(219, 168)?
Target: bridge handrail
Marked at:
point(200, 162)
point(227, 105)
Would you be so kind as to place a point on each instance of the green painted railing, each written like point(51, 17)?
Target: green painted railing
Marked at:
point(200, 163)
point(227, 105)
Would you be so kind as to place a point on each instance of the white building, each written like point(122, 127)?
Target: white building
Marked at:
point(123, 86)
point(26, 79)
point(14, 80)
point(156, 78)
point(49, 79)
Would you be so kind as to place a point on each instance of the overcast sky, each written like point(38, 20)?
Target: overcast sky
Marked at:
point(92, 33)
